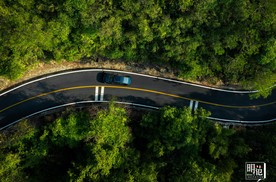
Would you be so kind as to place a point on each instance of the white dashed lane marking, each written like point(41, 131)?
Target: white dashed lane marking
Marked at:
point(102, 94)
point(191, 104)
point(96, 93)
point(196, 105)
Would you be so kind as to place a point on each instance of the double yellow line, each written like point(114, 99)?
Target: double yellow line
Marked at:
point(133, 88)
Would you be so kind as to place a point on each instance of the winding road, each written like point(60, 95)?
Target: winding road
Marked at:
point(83, 86)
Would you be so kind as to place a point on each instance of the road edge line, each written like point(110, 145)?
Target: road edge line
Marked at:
point(133, 104)
point(127, 72)
point(75, 103)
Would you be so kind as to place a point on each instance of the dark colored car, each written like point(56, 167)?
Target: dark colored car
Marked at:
point(116, 79)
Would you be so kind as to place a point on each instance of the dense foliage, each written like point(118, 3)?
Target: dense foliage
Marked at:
point(169, 145)
point(262, 141)
point(231, 40)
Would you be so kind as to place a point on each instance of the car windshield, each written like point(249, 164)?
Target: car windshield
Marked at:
point(125, 80)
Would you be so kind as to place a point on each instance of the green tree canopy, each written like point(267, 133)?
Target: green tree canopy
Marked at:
point(232, 41)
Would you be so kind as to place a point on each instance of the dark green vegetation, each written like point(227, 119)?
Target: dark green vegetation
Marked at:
point(169, 145)
point(231, 40)
point(262, 141)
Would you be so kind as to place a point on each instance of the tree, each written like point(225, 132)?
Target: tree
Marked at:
point(189, 147)
point(108, 137)
point(230, 41)
point(171, 144)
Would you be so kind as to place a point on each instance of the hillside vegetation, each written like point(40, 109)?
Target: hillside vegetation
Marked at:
point(168, 145)
point(229, 40)
point(115, 145)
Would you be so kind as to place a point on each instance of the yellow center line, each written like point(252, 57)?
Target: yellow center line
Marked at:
point(44, 94)
point(186, 98)
point(133, 88)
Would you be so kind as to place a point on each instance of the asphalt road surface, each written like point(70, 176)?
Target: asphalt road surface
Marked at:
point(84, 85)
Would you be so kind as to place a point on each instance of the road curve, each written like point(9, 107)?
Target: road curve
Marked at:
point(83, 86)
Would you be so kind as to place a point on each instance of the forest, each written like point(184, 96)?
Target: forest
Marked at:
point(229, 40)
point(233, 41)
point(118, 144)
